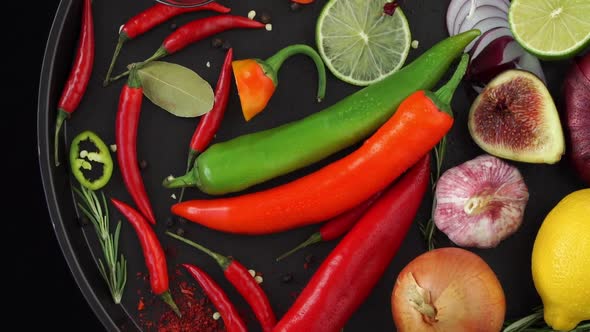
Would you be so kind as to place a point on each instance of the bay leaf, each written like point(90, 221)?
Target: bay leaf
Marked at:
point(176, 89)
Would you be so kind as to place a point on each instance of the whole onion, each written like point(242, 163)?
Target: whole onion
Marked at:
point(576, 92)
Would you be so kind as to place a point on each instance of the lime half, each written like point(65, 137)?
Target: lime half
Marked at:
point(359, 44)
point(551, 29)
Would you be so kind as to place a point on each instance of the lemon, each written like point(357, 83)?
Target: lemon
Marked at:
point(561, 262)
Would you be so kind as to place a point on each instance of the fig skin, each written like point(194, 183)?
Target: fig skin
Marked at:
point(515, 118)
point(576, 91)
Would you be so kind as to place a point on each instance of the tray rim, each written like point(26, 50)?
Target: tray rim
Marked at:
point(44, 148)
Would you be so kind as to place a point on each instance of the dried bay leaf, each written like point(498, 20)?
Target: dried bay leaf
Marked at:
point(176, 89)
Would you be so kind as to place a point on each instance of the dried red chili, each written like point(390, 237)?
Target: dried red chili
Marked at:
point(79, 75)
point(151, 18)
point(244, 283)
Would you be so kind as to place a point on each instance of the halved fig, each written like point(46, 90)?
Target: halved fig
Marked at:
point(515, 118)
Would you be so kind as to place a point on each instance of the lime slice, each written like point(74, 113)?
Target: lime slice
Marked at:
point(359, 44)
point(551, 29)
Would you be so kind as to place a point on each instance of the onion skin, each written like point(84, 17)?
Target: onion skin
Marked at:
point(576, 92)
point(464, 290)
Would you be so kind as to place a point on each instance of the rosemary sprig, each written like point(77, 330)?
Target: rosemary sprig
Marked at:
point(534, 323)
point(113, 271)
point(444, 96)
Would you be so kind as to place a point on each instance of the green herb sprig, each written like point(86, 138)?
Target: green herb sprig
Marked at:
point(113, 271)
point(534, 323)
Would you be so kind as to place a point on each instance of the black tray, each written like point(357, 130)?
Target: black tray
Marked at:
point(163, 140)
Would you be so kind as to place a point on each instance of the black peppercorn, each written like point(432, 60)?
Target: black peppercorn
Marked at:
point(169, 222)
point(294, 6)
point(287, 278)
point(216, 42)
point(265, 18)
point(173, 26)
point(226, 45)
point(180, 232)
point(143, 164)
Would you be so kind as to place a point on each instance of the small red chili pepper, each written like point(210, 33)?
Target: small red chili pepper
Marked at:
point(210, 122)
point(126, 125)
point(349, 273)
point(80, 73)
point(335, 227)
point(244, 283)
point(231, 318)
point(303, 2)
point(198, 30)
point(257, 79)
point(154, 256)
point(151, 18)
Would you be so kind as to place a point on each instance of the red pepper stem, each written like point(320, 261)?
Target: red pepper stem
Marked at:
point(61, 118)
point(223, 261)
point(273, 64)
point(444, 95)
point(160, 53)
point(314, 238)
point(192, 155)
point(167, 298)
point(122, 39)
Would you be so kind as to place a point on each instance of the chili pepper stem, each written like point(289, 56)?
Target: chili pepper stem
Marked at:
point(275, 62)
point(192, 155)
point(314, 238)
point(223, 261)
point(61, 118)
point(442, 98)
point(122, 39)
point(167, 298)
point(187, 180)
point(160, 53)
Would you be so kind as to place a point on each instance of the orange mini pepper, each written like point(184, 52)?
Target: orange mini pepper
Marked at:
point(257, 80)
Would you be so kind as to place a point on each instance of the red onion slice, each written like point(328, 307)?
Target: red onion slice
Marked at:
point(458, 10)
point(479, 14)
point(486, 38)
point(486, 25)
point(530, 63)
point(501, 54)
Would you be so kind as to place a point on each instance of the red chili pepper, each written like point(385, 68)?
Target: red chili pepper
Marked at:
point(335, 227)
point(347, 276)
point(210, 122)
point(126, 138)
point(79, 75)
point(198, 30)
point(154, 256)
point(151, 18)
point(231, 318)
point(244, 283)
point(416, 127)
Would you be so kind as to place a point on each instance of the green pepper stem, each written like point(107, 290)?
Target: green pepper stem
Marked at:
point(61, 118)
point(275, 62)
point(187, 180)
point(223, 261)
point(167, 298)
point(314, 238)
point(192, 154)
point(133, 81)
point(446, 92)
point(122, 39)
point(160, 53)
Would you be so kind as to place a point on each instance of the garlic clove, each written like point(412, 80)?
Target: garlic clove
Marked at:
point(480, 202)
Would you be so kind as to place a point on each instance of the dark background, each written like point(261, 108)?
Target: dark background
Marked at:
point(47, 294)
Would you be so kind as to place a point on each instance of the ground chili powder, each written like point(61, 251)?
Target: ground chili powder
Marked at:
point(197, 311)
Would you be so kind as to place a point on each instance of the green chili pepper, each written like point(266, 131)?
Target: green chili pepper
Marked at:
point(84, 160)
point(251, 159)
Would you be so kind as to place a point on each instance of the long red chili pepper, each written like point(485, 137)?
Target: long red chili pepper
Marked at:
point(79, 75)
point(154, 256)
point(352, 269)
point(198, 30)
point(231, 318)
point(151, 18)
point(416, 127)
point(126, 138)
point(210, 122)
point(244, 283)
point(335, 227)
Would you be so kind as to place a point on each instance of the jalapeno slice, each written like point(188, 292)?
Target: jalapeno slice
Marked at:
point(85, 157)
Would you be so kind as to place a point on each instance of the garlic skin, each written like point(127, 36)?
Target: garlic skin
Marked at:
point(480, 202)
